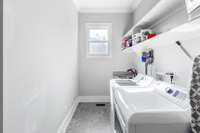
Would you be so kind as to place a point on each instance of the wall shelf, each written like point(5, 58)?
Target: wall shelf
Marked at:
point(161, 9)
point(184, 33)
point(141, 46)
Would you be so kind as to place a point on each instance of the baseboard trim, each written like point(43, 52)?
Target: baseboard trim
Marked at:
point(80, 99)
point(93, 99)
point(68, 117)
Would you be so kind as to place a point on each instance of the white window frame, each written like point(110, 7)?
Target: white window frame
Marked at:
point(99, 26)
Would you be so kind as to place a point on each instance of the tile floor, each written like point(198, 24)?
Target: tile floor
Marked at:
point(89, 118)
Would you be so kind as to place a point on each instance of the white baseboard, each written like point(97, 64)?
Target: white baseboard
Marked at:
point(68, 117)
point(80, 99)
point(93, 99)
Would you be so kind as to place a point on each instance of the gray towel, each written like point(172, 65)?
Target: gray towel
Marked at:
point(195, 96)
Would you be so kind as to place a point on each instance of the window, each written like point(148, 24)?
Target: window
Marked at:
point(98, 39)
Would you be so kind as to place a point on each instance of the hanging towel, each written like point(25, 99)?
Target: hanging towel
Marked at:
point(195, 96)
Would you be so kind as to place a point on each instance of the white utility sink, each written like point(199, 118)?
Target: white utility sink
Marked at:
point(126, 82)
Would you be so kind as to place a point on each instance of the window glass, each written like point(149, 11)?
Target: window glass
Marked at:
point(98, 35)
point(99, 39)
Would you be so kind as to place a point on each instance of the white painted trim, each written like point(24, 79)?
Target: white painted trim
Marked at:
point(80, 99)
point(68, 117)
point(93, 99)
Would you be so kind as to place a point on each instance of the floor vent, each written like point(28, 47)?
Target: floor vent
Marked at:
point(100, 105)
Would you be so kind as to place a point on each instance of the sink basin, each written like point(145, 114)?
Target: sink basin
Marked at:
point(139, 81)
point(126, 82)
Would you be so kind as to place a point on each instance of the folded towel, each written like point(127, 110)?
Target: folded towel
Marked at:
point(195, 96)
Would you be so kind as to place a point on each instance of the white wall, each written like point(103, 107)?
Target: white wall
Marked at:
point(95, 73)
point(40, 64)
point(177, 17)
point(1, 65)
point(170, 58)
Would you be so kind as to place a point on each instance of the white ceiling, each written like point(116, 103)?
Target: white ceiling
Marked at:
point(102, 6)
